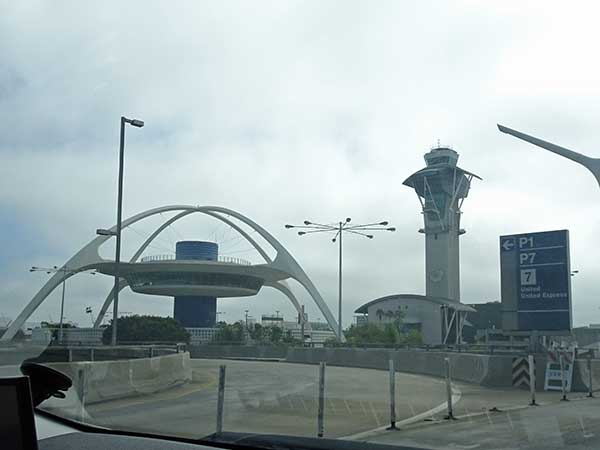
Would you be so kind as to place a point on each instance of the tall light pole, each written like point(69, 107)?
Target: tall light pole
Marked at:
point(339, 229)
point(64, 270)
point(592, 164)
point(138, 124)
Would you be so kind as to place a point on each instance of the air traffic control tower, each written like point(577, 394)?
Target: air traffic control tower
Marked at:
point(441, 188)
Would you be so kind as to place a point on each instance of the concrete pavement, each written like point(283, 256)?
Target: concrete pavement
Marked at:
point(559, 425)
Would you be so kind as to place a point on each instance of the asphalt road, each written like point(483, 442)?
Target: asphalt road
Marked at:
point(267, 397)
point(573, 425)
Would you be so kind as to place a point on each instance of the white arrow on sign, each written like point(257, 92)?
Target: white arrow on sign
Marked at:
point(508, 244)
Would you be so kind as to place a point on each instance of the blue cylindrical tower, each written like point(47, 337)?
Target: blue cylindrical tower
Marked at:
point(196, 311)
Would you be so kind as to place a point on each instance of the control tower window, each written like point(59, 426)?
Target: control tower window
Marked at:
point(439, 160)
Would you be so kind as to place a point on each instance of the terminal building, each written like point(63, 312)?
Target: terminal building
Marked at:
point(441, 189)
point(196, 276)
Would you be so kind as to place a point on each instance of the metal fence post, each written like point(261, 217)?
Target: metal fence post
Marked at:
point(562, 378)
point(532, 379)
point(448, 388)
point(91, 353)
point(392, 396)
point(81, 392)
point(221, 399)
point(321, 399)
point(70, 355)
point(589, 364)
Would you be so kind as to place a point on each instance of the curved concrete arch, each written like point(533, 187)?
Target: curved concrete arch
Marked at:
point(160, 229)
point(88, 256)
point(285, 290)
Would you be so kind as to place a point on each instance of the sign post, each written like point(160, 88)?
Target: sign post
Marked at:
point(563, 383)
point(536, 281)
point(531, 362)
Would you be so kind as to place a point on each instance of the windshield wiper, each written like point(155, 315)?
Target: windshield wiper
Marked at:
point(284, 442)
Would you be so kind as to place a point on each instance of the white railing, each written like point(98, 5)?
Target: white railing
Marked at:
point(171, 257)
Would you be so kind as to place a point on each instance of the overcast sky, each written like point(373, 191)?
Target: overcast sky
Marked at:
point(286, 111)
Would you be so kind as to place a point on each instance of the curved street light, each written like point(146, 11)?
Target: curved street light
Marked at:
point(64, 270)
point(339, 229)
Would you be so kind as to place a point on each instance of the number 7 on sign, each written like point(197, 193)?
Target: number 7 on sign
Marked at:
point(528, 277)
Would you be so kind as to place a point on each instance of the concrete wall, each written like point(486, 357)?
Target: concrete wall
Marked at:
point(416, 310)
point(238, 351)
point(487, 370)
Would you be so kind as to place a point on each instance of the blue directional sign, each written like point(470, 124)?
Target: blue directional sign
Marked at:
point(536, 281)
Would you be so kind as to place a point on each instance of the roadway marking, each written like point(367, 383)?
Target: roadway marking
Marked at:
point(347, 407)
point(332, 406)
point(374, 413)
point(105, 406)
point(456, 395)
point(303, 404)
point(585, 435)
point(363, 407)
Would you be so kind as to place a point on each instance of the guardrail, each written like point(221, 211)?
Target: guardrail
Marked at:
point(484, 349)
point(171, 257)
point(74, 353)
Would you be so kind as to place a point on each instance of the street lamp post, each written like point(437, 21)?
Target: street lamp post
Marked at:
point(138, 124)
point(64, 271)
point(592, 164)
point(339, 229)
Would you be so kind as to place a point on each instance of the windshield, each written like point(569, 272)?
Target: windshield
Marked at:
point(348, 220)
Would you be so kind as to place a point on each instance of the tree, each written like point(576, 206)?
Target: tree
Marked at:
point(397, 316)
point(147, 329)
point(229, 333)
point(413, 337)
point(275, 334)
point(256, 332)
point(379, 314)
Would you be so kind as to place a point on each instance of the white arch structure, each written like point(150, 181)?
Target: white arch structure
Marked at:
point(88, 257)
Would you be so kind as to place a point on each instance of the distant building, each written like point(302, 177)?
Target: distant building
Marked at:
point(201, 335)
point(433, 317)
point(361, 319)
point(82, 336)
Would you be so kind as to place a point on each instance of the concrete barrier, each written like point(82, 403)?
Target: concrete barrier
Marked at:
point(109, 380)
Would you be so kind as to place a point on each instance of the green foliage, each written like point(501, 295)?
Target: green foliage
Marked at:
point(275, 334)
point(370, 334)
point(147, 329)
point(271, 335)
point(256, 332)
point(387, 334)
point(413, 337)
point(229, 333)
